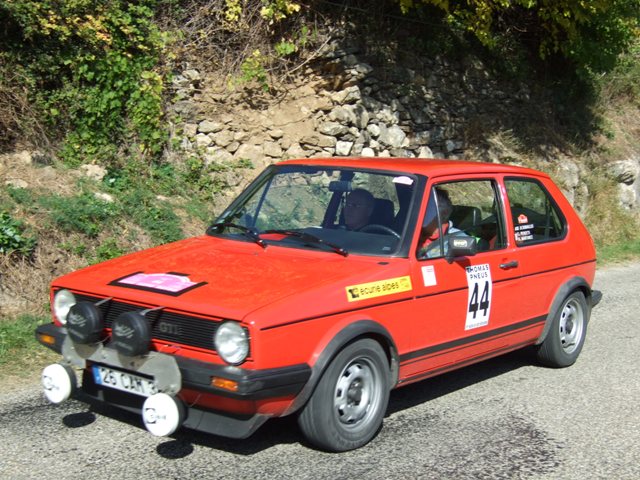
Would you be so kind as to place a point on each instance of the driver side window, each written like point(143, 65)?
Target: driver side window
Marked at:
point(465, 208)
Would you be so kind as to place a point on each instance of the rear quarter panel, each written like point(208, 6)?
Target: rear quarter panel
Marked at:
point(545, 267)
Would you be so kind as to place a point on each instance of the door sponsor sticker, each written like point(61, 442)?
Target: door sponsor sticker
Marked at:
point(523, 232)
point(479, 301)
point(429, 276)
point(380, 288)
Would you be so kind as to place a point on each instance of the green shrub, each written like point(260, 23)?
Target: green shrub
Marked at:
point(200, 177)
point(22, 196)
point(107, 250)
point(13, 238)
point(83, 213)
point(624, 81)
point(161, 223)
point(74, 247)
point(152, 214)
point(253, 69)
point(590, 35)
point(91, 68)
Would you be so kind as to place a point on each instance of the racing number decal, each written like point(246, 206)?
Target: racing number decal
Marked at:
point(479, 302)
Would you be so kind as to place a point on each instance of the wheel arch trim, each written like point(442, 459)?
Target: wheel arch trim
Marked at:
point(570, 286)
point(349, 334)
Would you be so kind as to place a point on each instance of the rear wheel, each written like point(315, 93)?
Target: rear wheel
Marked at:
point(566, 336)
point(349, 403)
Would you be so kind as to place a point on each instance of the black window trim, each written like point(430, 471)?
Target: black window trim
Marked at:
point(554, 204)
point(500, 209)
point(402, 250)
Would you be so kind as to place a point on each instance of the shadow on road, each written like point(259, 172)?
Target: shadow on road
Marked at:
point(430, 389)
point(285, 430)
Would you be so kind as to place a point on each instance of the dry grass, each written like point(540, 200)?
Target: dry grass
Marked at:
point(25, 367)
point(614, 229)
point(27, 167)
point(25, 282)
point(497, 146)
point(620, 138)
point(18, 119)
point(608, 223)
point(619, 106)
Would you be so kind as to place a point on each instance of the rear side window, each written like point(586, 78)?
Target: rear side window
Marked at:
point(536, 217)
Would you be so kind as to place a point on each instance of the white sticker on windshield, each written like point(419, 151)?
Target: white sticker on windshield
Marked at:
point(479, 301)
point(403, 180)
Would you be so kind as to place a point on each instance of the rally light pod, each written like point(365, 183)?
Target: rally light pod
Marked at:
point(131, 334)
point(162, 414)
point(59, 382)
point(84, 323)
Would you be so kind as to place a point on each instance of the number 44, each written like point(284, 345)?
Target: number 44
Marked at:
point(483, 304)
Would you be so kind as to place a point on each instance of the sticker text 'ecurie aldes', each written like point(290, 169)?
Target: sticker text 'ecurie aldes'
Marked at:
point(378, 289)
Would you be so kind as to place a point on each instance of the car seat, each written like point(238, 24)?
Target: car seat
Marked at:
point(465, 216)
point(382, 213)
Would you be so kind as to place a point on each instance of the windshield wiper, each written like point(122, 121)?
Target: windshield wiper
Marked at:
point(246, 231)
point(309, 238)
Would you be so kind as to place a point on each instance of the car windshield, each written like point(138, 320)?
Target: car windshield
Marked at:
point(341, 210)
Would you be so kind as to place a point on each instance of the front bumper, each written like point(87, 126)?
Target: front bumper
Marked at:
point(173, 374)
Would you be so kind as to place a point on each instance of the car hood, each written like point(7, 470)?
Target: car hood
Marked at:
point(233, 279)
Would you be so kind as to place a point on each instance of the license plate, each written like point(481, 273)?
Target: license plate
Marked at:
point(123, 381)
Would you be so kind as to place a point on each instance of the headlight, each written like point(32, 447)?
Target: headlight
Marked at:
point(62, 303)
point(231, 342)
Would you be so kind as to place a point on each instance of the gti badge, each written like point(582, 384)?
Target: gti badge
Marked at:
point(169, 328)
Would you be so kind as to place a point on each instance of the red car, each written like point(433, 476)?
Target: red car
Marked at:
point(323, 286)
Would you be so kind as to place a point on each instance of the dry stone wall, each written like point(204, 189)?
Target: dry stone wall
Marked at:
point(345, 104)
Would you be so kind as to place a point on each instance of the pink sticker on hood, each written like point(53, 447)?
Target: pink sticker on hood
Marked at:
point(167, 282)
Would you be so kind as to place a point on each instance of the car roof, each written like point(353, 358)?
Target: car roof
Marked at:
point(431, 167)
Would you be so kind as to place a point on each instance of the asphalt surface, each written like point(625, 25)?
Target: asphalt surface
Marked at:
point(504, 418)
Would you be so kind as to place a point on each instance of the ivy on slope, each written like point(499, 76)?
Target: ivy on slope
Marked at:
point(589, 33)
point(91, 68)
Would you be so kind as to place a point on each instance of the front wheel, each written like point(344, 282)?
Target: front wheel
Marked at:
point(349, 403)
point(565, 338)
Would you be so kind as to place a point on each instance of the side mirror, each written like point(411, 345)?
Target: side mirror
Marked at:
point(460, 247)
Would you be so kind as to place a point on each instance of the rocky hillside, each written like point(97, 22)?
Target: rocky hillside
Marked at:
point(352, 96)
point(348, 104)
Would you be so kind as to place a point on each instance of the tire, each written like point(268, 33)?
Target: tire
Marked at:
point(566, 336)
point(347, 407)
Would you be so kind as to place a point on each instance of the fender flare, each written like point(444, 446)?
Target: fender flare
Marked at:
point(573, 284)
point(352, 332)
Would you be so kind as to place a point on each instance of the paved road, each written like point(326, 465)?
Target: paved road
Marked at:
point(505, 418)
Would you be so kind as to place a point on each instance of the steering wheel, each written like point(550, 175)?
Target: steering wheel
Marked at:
point(373, 227)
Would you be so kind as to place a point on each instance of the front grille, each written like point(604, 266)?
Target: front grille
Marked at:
point(167, 326)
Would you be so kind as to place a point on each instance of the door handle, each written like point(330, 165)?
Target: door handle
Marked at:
point(508, 265)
